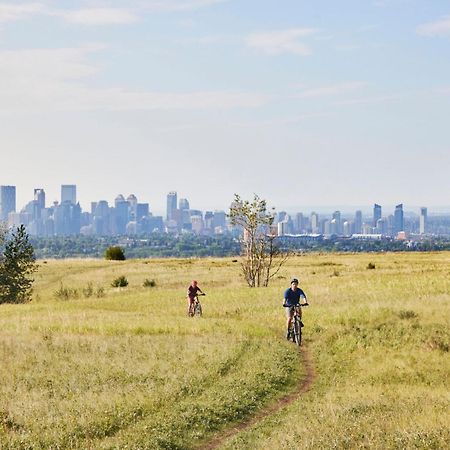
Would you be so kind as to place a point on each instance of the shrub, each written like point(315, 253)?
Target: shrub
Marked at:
point(407, 314)
point(88, 291)
point(66, 293)
point(120, 282)
point(149, 283)
point(100, 292)
point(370, 266)
point(115, 254)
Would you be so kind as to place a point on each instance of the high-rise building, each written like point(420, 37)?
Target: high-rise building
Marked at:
point(171, 205)
point(299, 223)
point(398, 218)
point(358, 222)
point(423, 220)
point(7, 201)
point(69, 193)
point(183, 204)
point(132, 201)
point(376, 214)
point(337, 229)
point(314, 222)
point(39, 196)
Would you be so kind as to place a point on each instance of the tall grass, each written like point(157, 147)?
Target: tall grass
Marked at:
point(130, 369)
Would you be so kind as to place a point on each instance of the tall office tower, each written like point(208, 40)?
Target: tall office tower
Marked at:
point(39, 196)
point(398, 218)
point(423, 220)
point(183, 204)
point(281, 216)
point(314, 222)
point(7, 201)
point(337, 218)
point(358, 222)
point(171, 205)
point(120, 198)
point(132, 201)
point(376, 214)
point(220, 219)
point(299, 223)
point(142, 210)
point(69, 193)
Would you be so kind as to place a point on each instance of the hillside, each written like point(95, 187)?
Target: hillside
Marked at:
point(104, 367)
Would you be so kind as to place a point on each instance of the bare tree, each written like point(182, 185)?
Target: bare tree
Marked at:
point(262, 258)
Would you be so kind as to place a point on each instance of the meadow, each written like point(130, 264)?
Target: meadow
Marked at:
point(115, 368)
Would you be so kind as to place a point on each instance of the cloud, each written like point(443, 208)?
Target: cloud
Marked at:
point(13, 11)
point(283, 41)
point(332, 90)
point(176, 5)
point(39, 80)
point(99, 16)
point(438, 28)
point(371, 100)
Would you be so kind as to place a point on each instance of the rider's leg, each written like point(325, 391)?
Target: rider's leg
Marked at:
point(289, 316)
point(190, 306)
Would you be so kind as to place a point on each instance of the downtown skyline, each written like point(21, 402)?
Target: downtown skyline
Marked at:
point(308, 105)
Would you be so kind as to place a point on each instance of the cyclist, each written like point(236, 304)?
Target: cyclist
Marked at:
point(292, 298)
point(192, 291)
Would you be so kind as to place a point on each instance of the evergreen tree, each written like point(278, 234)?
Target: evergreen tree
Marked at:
point(17, 264)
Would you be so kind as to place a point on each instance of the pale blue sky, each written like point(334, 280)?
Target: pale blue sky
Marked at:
point(319, 102)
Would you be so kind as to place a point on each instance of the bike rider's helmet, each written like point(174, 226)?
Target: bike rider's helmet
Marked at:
point(294, 280)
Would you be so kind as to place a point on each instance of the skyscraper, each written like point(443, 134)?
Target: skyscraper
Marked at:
point(314, 222)
point(7, 201)
point(39, 196)
point(337, 228)
point(69, 193)
point(423, 220)
point(358, 222)
point(183, 204)
point(398, 218)
point(376, 214)
point(171, 205)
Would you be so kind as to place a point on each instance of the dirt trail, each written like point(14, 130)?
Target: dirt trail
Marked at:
point(303, 386)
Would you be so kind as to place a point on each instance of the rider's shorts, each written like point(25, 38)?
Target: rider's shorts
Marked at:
point(289, 311)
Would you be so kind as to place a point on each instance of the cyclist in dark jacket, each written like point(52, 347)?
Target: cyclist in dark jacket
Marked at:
point(192, 291)
point(292, 298)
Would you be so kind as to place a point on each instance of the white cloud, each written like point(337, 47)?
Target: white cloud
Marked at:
point(332, 90)
point(282, 41)
point(177, 5)
point(438, 28)
point(99, 16)
point(13, 11)
point(58, 80)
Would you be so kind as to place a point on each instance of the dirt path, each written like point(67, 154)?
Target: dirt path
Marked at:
point(304, 386)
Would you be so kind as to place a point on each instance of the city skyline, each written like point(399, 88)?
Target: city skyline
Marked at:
point(315, 103)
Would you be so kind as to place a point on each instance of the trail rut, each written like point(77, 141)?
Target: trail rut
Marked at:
point(304, 385)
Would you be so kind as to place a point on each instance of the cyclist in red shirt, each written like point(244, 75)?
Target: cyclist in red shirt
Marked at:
point(192, 291)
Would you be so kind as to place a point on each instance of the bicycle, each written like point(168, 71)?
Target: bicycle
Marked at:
point(195, 308)
point(295, 329)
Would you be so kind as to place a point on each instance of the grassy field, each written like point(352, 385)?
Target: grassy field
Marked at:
point(128, 369)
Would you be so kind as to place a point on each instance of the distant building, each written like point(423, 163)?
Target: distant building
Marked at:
point(7, 201)
point(398, 219)
point(358, 222)
point(132, 202)
point(183, 204)
point(69, 193)
point(314, 222)
point(336, 227)
point(299, 223)
point(376, 214)
point(39, 197)
point(171, 205)
point(423, 220)
point(220, 219)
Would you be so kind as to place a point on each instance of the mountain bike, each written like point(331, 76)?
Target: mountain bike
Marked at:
point(296, 325)
point(195, 308)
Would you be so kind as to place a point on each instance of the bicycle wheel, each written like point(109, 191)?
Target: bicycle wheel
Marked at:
point(297, 332)
point(198, 310)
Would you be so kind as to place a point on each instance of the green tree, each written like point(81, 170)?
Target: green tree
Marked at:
point(17, 265)
point(115, 254)
point(261, 257)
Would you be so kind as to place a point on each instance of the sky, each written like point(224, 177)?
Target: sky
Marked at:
point(305, 103)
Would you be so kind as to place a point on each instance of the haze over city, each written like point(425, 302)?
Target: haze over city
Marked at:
point(308, 104)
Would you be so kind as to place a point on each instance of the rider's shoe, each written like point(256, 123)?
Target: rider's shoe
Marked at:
point(301, 324)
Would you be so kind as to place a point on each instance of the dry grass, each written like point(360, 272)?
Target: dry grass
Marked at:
point(130, 369)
